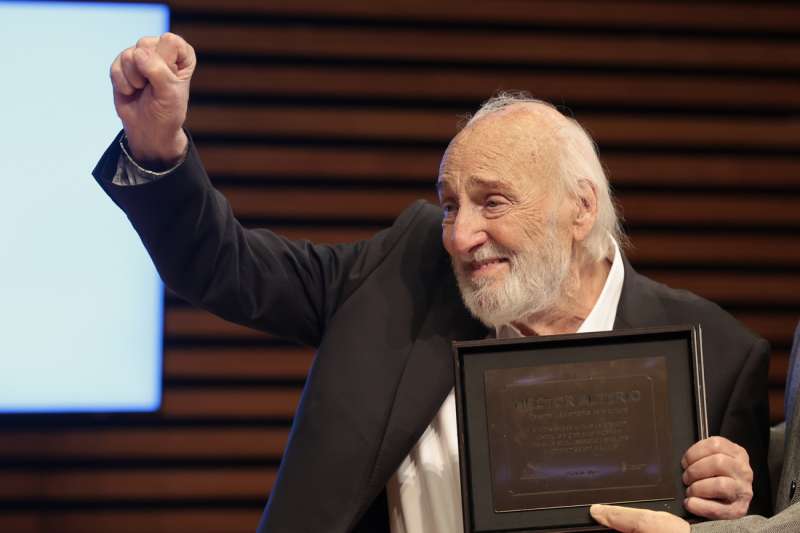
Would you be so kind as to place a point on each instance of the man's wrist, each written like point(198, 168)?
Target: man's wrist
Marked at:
point(158, 157)
point(147, 170)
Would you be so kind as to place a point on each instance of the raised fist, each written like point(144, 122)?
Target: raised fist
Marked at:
point(151, 95)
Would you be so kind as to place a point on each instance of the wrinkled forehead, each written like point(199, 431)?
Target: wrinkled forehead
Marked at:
point(518, 144)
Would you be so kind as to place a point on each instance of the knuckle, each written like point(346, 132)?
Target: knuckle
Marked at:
point(716, 443)
point(126, 57)
point(718, 462)
point(170, 38)
point(716, 486)
point(148, 41)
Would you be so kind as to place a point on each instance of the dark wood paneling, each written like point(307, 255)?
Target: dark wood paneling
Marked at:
point(236, 363)
point(456, 84)
point(301, 40)
point(72, 445)
point(703, 16)
point(116, 484)
point(440, 126)
point(420, 165)
point(196, 519)
point(742, 210)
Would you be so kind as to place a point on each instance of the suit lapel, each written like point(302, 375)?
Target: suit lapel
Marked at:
point(638, 306)
point(426, 380)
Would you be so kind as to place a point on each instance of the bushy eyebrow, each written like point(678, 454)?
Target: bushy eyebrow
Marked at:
point(485, 183)
point(475, 181)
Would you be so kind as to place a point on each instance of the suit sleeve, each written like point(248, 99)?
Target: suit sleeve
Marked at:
point(251, 277)
point(746, 422)
point(786, 521)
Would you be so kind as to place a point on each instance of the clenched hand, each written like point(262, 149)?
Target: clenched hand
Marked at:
point(151, 95)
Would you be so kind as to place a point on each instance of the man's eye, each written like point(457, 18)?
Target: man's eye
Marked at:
point(449, 209)
point(493, 202)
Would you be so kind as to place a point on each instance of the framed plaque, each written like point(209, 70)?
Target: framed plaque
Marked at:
point(550, 425)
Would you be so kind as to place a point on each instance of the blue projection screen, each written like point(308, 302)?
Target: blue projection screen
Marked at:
point(81, 306)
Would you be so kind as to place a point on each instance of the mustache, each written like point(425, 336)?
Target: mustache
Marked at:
point(490, 251)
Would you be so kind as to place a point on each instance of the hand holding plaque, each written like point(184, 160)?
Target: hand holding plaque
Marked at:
point(719, 479)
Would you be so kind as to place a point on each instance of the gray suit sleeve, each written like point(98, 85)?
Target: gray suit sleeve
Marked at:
point(787, 521)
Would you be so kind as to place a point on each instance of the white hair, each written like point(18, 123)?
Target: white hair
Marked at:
point(578, 160)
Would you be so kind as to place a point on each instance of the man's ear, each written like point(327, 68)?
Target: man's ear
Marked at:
point(586, 209)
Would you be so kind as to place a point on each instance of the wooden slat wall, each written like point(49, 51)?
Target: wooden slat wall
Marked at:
point(325, 119)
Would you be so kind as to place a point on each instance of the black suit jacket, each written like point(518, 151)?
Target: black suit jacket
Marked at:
point(382, 313)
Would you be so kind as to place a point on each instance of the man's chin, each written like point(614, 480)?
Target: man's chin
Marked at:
point(483, 304)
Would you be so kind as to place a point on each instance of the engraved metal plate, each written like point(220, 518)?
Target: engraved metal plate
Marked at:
point(578, 433)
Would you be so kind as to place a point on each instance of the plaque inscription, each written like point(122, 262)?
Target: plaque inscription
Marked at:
point(579, 433)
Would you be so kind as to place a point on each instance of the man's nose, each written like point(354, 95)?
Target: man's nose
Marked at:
point(469, 233)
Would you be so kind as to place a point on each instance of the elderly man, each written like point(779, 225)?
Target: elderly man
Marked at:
point(529, 230)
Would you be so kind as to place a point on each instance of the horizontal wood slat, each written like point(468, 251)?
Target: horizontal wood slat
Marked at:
point(196, 520)
point(500, 47)
point(143, 484)
point(225, 363)
point(721, 287)
point(720, 249)
point(650, 249)
point(665, 209)
point(231, 402)
point(145, 443)
point(776, 414)
point(778, 367)
point(237, 363)
point(440, 126)
point(297, 203)
point(579, 13)
point(459, 84)
point(738, 288)
point(775, 326)
point(324, 162)
point(422, 165)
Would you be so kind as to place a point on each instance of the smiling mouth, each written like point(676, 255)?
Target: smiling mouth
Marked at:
point(486, 265)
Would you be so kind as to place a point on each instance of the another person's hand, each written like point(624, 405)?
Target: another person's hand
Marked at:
point(719, 479)
point(629, 520)
point(151, 95)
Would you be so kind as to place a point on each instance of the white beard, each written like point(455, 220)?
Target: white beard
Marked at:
point(534, 282)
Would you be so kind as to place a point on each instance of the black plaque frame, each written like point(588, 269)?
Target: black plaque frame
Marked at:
point(680, 346)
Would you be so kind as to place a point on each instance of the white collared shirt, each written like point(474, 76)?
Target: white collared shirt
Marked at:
point(425, 492)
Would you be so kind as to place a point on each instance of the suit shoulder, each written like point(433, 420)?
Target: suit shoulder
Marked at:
point(691, 308)
point(416, 232)
point(420, 222)
point(421, 214)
